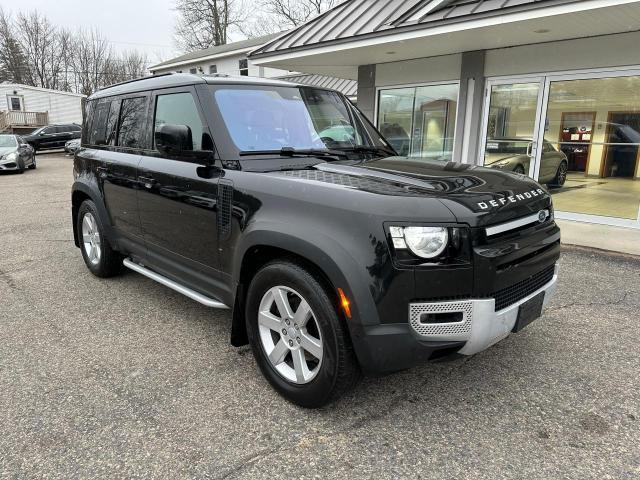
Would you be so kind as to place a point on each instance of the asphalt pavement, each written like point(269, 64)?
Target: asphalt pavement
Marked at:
point(123, 378)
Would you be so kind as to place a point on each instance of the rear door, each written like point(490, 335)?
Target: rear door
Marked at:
point(117, 138)
point(177, 205)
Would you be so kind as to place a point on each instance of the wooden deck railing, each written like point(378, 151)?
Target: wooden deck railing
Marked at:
point(23, 119)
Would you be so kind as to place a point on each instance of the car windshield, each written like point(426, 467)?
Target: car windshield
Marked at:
point(272, 117)
point(7, 141)
point(508, 145)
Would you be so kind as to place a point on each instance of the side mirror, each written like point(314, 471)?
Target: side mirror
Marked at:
point(173, 139)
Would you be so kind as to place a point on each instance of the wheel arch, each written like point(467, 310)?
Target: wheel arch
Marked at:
point(332, 271)
point(79, 193)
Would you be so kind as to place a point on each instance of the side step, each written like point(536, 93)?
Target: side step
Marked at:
point(192, 294)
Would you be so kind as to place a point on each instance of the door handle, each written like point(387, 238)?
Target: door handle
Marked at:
point(148, 182)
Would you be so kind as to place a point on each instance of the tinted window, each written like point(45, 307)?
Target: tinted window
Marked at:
point(132, 116)
point(213, 69)
point(97, 135)
point(75, 128)
point(49, 130)
point(180, 109)
point(62, 129)
point(112, 123)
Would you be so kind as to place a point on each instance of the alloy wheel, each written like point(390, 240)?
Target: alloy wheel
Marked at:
point(290, 334)
point(91, 238)
point(562, 174)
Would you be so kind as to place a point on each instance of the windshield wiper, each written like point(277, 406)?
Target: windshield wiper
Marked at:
point(293, 152)
point(368, 149)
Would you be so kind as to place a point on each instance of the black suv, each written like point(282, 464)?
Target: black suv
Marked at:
point(53, 136)
point(284, 204)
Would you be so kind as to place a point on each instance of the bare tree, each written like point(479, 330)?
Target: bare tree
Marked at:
point(293, 13)
point(206, 23)
point(39, 40)
point(91, 59)
point(278, 15)
point(13, 64)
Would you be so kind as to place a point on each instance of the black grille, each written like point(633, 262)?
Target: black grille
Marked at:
point(510, 295)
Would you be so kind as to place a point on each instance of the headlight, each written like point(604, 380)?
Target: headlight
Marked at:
point(10, 156)
point(425, 242)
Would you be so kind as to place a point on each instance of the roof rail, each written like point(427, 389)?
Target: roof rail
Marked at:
point(134, 80)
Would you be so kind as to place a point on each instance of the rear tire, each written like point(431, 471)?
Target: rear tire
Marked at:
point(561, 175)
point(313, 364)
point(33, 165)
point(97, 253)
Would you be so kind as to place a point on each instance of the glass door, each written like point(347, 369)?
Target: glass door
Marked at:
point(511, 139)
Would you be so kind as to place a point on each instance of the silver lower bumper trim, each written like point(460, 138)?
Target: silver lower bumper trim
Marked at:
point(480, 325)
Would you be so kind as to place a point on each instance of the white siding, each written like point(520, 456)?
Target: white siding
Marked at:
point(62, 107)
point(584, 53)
point(226, 65)
point(422, 70)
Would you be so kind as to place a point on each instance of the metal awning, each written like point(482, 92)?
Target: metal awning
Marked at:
point(344, 86)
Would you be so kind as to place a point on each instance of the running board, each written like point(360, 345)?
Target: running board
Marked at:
point(187, 292)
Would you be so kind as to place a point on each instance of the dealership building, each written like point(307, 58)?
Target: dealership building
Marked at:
point(521, 83)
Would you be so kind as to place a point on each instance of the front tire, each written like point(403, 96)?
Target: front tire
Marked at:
point(97, 253)
point(298, 339)
point(33, 165)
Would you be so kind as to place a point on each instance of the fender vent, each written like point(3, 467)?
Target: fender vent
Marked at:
point(225, 198)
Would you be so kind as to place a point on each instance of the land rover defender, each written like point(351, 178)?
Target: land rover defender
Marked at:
point(283, 203)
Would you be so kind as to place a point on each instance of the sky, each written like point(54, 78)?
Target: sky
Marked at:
point(146, 25)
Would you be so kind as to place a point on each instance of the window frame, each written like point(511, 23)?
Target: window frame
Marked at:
point(459, 127)
point(145, 126)
point(242, 69)
point(153, 101)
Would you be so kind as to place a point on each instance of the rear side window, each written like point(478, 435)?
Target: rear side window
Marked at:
point(97, 135)
point(112, 123)
point(132, 117)
point(180, 109)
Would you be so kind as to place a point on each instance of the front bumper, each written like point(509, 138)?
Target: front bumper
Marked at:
point(9, 165)
point(386, 348)
point(480, 326)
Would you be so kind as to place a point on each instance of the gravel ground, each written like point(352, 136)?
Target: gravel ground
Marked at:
point(125, 378)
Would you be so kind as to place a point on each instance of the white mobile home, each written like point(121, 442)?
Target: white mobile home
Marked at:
point(24, 108)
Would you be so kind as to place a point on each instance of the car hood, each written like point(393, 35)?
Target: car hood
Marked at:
point(492, 158)
point(6, 150)
point(474, 195)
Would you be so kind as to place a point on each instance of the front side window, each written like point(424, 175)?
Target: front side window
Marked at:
point(270, 118)
point(213, 69)
point(180, 109)
point(132, 116)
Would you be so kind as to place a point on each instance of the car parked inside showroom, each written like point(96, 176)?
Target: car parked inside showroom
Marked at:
point(283, 203)
point(514, 154)
point(16, 154)
point(53, 136)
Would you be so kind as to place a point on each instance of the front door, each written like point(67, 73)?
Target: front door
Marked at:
point(178, 202)
point(512, 126)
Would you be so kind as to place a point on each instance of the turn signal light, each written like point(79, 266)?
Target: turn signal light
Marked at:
point(344, 303)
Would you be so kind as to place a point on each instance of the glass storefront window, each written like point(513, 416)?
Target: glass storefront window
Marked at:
point(511, 126)
point(419, 121)
point(595, 124)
